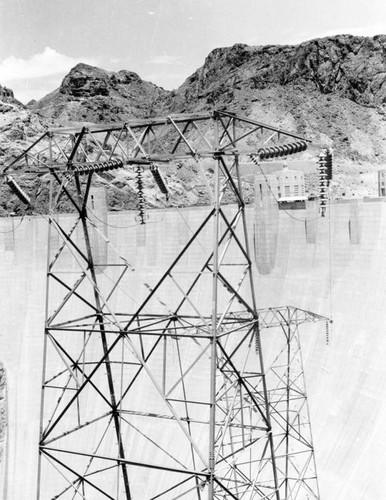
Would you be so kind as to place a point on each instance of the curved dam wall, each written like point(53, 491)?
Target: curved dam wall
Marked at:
point(334, 266)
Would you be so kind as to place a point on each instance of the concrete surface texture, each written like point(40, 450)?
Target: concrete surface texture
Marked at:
point(334, 266)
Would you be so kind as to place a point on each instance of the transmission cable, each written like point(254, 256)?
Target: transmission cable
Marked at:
point(277, 199)
point(14, 228)
point(329, 323)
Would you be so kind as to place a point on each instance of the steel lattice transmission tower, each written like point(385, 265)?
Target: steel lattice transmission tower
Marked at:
point(156, 388)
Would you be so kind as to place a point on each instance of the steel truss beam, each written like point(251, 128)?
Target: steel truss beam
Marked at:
point(148, 390)
point(147, 141)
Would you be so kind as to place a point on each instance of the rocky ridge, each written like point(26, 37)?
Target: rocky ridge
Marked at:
point(90, 94)
point(332, 90)
point(347, 66)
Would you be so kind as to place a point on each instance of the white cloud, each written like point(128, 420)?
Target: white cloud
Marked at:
point(34, 77)
point(49, 62)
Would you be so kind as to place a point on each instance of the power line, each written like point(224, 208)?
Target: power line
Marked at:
point(277, 200)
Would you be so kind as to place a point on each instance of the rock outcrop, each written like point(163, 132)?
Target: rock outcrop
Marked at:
point(90, 94)
point(332, 90)
point(7, 100)
point(346, 66)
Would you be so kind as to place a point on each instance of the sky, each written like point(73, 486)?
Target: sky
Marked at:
point(164, 41)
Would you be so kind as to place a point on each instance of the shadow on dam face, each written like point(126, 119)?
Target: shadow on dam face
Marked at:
point(334, 266)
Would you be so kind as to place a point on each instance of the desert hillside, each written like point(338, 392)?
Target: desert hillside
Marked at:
point(332, 90)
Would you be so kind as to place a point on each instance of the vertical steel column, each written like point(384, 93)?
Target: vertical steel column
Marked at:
point(257, 330)
point(213, 341)
point(100, 320)
point(49, 229)
point(307, 407)
point(288, 413)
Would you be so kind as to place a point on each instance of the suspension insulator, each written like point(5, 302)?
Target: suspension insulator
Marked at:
point(97, 167)
point(329, 165)
point(20, 193)
point(323, 182)
point(327, 332)
point(140, 196)
point(159, 180)
point(271, 152)
point(282, 150)
point(286, 149)
point(257, 343)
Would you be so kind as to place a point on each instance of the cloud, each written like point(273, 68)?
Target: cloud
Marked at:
point(49, 62)
point(165, 60)
point(35, 76)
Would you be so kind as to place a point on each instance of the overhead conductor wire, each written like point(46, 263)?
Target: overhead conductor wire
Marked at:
point(330, 322)
point(276, 199)
point(14, 228)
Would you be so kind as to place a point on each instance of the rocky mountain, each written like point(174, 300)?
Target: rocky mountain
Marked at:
point(332, 90)
point(18, 125)
point(346, 66)
point(90, 94)
point(7, 100)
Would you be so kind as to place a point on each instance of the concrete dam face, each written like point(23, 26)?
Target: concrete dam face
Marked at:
point(333, 266)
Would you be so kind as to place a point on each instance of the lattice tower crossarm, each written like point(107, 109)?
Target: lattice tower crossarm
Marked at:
point(148, 390)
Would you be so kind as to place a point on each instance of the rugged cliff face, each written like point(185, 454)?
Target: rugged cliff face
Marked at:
point(347, 66)
point(18, 126)
point(90, 94)
point(332, 90)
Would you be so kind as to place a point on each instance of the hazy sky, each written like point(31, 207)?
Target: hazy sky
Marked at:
point(163, 41)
